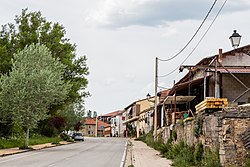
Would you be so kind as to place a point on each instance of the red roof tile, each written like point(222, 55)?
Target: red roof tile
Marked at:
point(101, 123)
point(111, 114)
point(90, 121)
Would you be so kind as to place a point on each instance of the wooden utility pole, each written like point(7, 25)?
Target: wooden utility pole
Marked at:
point(155, 101)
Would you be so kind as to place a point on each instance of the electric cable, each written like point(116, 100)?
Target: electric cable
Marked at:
point(196, 32)
point(198, 42)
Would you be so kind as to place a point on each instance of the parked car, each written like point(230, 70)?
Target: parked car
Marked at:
point(78, 136)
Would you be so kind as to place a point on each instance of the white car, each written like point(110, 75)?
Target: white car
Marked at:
point(78, 136)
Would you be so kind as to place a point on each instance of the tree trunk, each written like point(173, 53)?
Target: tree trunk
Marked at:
point(27, 138)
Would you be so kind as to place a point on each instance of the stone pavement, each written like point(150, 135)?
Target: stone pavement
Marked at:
point(16, 150)
point(141, 155)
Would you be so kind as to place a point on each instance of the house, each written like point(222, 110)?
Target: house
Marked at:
point(102, 128)
point(225, 75)
point(89, 127)
point(118, 128)
point(138, 116)
point(107, 117)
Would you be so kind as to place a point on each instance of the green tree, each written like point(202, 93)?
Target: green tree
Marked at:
point(73, 115)
point(94, 114)
point(89, 114)
point(34, 83)
point(32, 27)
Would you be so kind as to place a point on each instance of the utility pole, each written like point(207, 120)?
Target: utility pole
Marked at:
point(96, 126)
point(156, 85)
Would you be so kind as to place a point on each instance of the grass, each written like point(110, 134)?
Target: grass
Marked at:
point(182, 154)
point(19, 142)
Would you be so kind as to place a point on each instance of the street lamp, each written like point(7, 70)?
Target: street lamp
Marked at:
point(235, 39)
point(148, 96)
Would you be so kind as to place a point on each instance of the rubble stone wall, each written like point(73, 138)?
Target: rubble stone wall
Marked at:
point(227, 131)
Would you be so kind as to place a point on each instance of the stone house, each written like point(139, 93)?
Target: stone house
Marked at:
point(225, 75)
point(89, 127)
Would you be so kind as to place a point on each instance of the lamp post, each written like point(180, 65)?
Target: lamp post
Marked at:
point(235, 39)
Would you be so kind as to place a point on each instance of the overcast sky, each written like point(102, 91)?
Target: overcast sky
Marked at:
point(121, 39)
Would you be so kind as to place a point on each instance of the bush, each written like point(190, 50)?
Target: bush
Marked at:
point(64, 136)
point(247, 163)
point(211, 158)
point(198, 154)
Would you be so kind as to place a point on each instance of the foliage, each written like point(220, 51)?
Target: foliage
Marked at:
point(18, 142)
point(34, 83)
point(174, 135)
point(89, 114)
point(182, 154)
point(198, 154)
point(247, 162)
point(64, 136)
point(73, 115)
point(198, 126)
point(94, 114)
point(131, 130)
point(211, 158)
point(32, 27)
point(52, 126)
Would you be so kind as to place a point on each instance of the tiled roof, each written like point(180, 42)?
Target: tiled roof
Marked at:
point(111, 114)
point(234, 70)
point(90, 121)
point(164, 94)
point(101, 123)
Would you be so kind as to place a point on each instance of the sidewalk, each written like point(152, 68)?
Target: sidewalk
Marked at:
point(16, 150)
point(140, 155)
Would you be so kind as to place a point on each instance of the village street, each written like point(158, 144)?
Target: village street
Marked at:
point(93, 152)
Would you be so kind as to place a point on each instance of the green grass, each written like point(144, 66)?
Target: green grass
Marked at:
point(182, 154)
point(10, 143)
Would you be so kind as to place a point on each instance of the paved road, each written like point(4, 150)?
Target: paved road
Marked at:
point(93, 152)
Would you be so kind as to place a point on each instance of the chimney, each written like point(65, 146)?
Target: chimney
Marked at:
point(220, 56)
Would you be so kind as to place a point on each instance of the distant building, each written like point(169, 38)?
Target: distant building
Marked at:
point(89, 127)
point(107, 117)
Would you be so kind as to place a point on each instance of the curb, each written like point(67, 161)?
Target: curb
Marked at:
point(28, 150)
point(124, 155)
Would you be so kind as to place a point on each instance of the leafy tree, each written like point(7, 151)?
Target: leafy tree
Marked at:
point(34, 83)
point(73, 115)
point(89, 114)
point(32, 28)
point(94, 114)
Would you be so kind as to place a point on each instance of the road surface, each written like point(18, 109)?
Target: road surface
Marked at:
point(93, 152)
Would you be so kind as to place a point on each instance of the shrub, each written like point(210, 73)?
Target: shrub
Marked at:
point(247, 163)
point(198, 153)
point(211, 158)
point(198, 126)
point(64, 136)
point(70, 140)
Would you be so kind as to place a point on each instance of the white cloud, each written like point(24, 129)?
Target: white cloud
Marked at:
point(123, 13)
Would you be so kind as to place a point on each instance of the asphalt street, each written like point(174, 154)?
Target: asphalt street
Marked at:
point(93, 152)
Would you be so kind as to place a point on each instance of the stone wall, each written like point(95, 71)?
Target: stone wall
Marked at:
point(228, 131)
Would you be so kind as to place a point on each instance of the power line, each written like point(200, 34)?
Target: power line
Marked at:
point(198, 42)
point(192, 36)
